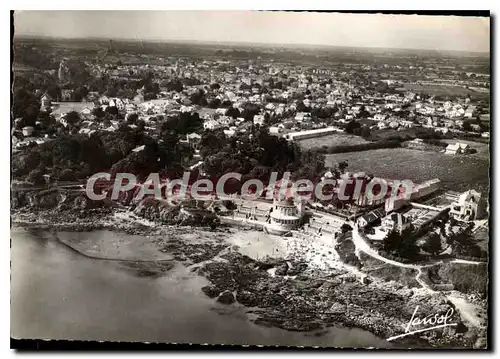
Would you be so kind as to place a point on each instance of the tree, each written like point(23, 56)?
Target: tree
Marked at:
point(342, 165)
point(132, 118)
point(112, 110)
point(36, 177)
point(467, 126)
point(391, 241)
point(80, 93)
point(345, 228)
point(54, 91)
point(72, 117)
point(198, 98)
point(267, 118)
point(352, 126)
point(175, 86)
point(433, 244)
point(301, 107)
point(141, 125)
point(98, 112)
point(215, 103)
point(26, 106)
point(365, 131)
point(233, 112)
point(67, 175)
point(407, 247)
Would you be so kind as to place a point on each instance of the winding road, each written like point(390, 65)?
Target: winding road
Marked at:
point(466, 309)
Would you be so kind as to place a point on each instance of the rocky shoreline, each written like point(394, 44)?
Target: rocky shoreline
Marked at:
point(307, 302)
point(278, 293)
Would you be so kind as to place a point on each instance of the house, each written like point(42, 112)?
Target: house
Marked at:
point(407, 123)
point(258, 120)
point(416, 143)
point(28, 131)
point(452, 149)
point(369, 218)
point(66, 95)
point(275, 130)
point(221, 111)
point(46, 101)
point(139, 149)
point(130, 108)
point(60, 109)
point(193, 140)
point(118, 103)
point(302, 116)
point(425, 188)
point(395, 222)
point(470, 206)
point(393, 204)
point(459, 123)
point(270, 107)
point(319, 132)
point(470, 112)
point(475, 127)
point(87, 131)
point(225, 121)
point(394, 124)
point(86, 112)
point(186, 108)
point(211, 125)
point(457, 149)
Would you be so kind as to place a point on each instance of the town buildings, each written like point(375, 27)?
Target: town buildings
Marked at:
point(469, 205)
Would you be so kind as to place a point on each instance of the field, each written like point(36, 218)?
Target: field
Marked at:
point(377, 135)
point(440, 90)
point(457, 173)
point(332, 140)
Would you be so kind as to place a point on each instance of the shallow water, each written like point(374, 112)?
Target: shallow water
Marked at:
point(57, 293)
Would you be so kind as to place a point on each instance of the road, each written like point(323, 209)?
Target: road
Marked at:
point(466, 309)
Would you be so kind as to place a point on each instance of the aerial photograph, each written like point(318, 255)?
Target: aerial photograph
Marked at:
point(270, 178)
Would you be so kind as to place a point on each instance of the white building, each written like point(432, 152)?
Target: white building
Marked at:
point(457, 149)
point(379, 117)
point(300, 135)
point(470, 206)
point(395, 222)
point(28, 131)
point(275, 130)
point(211, 125)
point(285, 216)
point(302, 116)
point(258, 120)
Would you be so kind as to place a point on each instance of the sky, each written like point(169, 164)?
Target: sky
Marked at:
point(334, 29)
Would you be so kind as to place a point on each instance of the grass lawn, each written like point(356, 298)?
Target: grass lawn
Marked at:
point(457, 173)
point(377, 135)
point(332, 140)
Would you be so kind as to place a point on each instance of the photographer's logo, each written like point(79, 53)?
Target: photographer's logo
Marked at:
point(433, 321)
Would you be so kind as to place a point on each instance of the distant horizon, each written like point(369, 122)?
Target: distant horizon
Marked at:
point(243, 43)
point(405, 32)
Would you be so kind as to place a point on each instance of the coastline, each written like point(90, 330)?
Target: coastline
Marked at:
point(315, 299)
